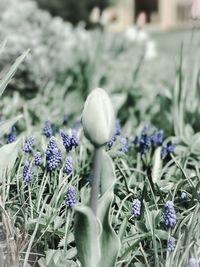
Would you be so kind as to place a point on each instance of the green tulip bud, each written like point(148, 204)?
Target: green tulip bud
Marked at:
point(98, 117)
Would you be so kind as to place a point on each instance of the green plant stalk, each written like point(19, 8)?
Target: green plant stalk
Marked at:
point(96, 179)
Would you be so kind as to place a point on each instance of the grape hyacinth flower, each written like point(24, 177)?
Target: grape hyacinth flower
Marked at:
point(124, 142)
point(74, 138)
point(117, 128)
point(11, 136)
point(48, 129)
point(70, 197)
point(184, 195)
point(27, 172)
point(53, 155)
point(171, 244)
point(111, 142)
point(68, 166)
point(38, 159)
point(192, 262)
point(169, 215)
point(65, 119)
point(28, 145)
point(136, 206)
point(116, 133)
point(66, 140)
point(166, 150)
point(157, 137)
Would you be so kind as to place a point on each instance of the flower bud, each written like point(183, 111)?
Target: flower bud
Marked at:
point(98, 117)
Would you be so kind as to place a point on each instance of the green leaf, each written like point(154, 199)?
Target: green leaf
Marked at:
point(8, 156)
point(87, 236)
point(5, 126)
point(11, 72)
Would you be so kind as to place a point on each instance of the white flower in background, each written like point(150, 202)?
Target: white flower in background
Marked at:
point(131, 34)
point(151, 50)
point(196, 9)
point(134, 34)
point(95, 15)
point(98, 117)
point(141, 20)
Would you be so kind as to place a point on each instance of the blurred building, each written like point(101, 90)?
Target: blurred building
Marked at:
point(160, 14)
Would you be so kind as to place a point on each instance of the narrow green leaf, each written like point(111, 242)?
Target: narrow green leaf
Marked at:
point(11, 72)
point(8, 156)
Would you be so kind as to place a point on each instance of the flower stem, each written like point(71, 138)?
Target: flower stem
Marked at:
point(96, 179)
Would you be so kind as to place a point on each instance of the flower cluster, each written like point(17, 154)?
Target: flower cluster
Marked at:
point(69, 141)
point(171, 244)
point(136, 206)
point(68, 166)
point(27, 172)
point(53, 155)
point(145, 141)
point(11, 136)
point(70, 197)
point(28, 145)
point(38, 159)
point(169, 215)
point(48, 129)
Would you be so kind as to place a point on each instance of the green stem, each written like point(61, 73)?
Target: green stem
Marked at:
point(68, 219)
point(96, 179)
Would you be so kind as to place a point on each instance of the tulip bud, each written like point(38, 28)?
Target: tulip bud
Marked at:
point(98, 117)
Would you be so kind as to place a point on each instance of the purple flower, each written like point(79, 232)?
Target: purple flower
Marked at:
point(53, 155)
point(28, 145)
point(198, 197)
point(65, 119)
point(166, 150)
point(66, 140)
point(169, 215)
point(111, 142)
point(68, 166)
point(171, 244)
point(48, 129)
point(184, 195)
point(136, 206)
point(157, 137)
point(38, 159)
point(192, 262)
point(125, 144)
point(74, 138)
point(70, 197)
point(145, 129)
point(11, 136)
point(117, 128)
point(27, 172)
